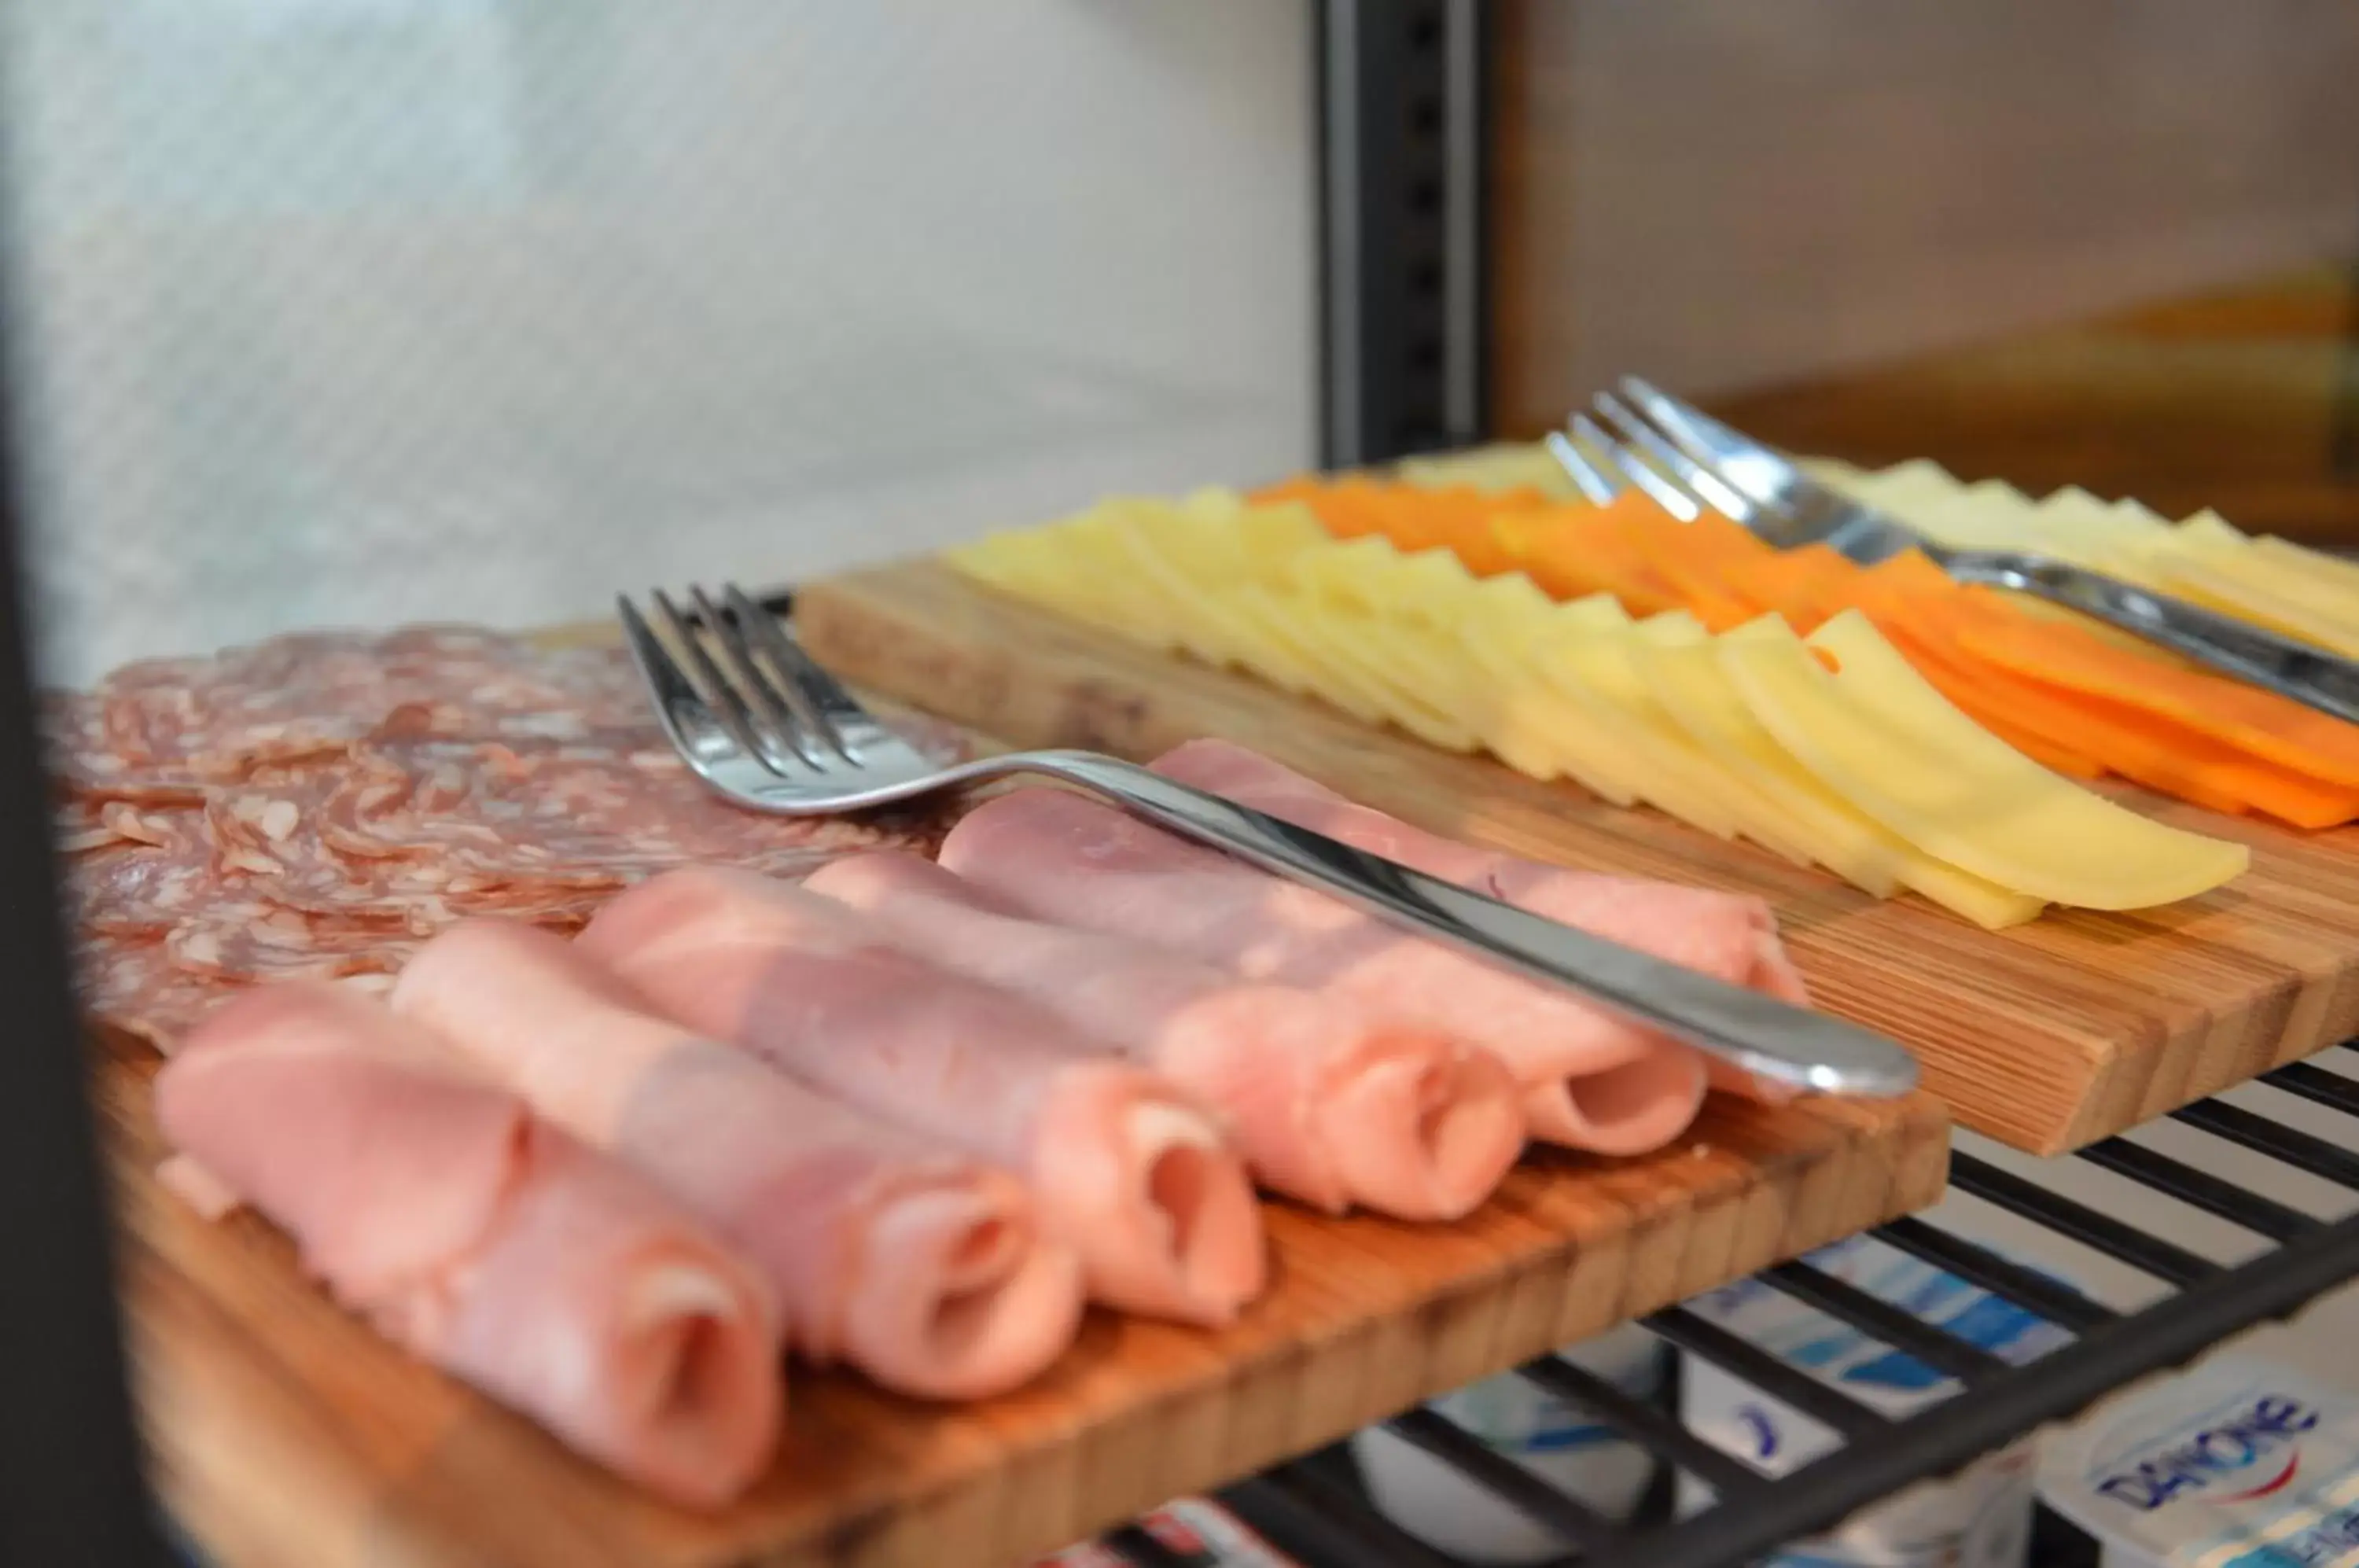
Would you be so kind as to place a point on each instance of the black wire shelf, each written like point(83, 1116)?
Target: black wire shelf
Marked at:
point(1316, 1510)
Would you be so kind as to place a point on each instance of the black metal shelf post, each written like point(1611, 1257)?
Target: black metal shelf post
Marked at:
point(1403, 96)
point(70, 1487)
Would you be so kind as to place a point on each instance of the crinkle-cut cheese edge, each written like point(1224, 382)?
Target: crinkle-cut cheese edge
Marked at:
point(1824, 723)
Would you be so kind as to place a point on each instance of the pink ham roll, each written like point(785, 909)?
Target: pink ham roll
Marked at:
point(1727, 935)
point(1125, 1167)
point(927, 1270)
point(1327, 1104)
point(1591, 1081)
point(482, 1239)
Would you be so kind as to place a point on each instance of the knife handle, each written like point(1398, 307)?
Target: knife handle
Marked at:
point(2299, 670)
point(1771, 1039)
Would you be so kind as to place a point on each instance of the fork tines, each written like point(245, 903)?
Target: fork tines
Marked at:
point(726, 675)
point(1682, 457)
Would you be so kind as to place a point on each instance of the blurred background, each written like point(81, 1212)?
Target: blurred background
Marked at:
point(362, 310)
point(372, 309)
point(2096, 242)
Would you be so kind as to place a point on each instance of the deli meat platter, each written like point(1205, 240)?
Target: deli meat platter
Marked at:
point(260, 817)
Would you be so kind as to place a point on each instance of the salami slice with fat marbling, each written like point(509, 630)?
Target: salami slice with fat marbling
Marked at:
point(315, 805)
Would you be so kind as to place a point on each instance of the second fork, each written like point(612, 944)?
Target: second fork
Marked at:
point(1687, 460)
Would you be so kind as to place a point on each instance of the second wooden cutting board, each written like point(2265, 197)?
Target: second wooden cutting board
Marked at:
point(2047, 1036)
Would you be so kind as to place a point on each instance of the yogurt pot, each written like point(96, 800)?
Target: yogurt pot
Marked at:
point(1560, 1443)
point(1980, 1517)
point(2238, 1463)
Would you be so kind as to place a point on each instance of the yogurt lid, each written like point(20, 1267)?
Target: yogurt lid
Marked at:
point(2238, 1463)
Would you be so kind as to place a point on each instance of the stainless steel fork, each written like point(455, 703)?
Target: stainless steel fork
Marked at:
point(1682, 457)
point(762, 724)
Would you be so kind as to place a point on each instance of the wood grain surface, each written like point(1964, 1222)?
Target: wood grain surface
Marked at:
point(2047, 1036)
point(287, 1434)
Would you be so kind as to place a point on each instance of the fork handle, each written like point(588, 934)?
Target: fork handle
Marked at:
point(2308, 675)
point(1763, 1036)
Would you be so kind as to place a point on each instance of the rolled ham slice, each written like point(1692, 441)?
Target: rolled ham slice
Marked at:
point(1590, 1080)
point(1128, 1168)
point(926, 1270)
point(1328, 1102)
point(481, 1238)
point(1729, 936)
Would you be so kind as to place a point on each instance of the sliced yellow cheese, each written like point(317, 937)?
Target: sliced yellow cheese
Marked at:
point(1210, 625)
point(1103, 568)
point(1882, 737)
point(1535, 728)
point(1432, 588)
point(1501, 466)
point(1228, 590)
point(1022, 561)
point(1194, 553)
point(1202, 551)
point(1514, 620)
point(1524, 729)
point(1684, 674)
point(1899, 489)
point(2230, 587)
point(2315, 564)
point(1653, 712)
point(1371, 576)
point(1218, 544)
point(1411, 672)
point(1277, 620)
point(2206, 560)
point(1984, 902)
point(1594, 669)
point(1762, 814)
point(1598, 612)
point(1845, 840)
point(1050, 567)
point(2201, 558)
point(1513, 599)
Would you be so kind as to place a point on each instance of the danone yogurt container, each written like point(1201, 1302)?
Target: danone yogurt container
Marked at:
point(2239, 1463)
point(1980, 1517)
point(1560, 1443)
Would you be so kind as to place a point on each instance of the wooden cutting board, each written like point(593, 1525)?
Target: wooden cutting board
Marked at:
point(287, 1434)
point(2047, 1036)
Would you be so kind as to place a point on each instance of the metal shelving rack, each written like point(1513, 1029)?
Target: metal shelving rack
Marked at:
point(1313, 1508)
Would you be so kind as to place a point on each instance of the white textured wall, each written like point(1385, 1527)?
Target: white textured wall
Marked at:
point(360, 309)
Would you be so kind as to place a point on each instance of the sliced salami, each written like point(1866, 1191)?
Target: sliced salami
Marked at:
point(316, 805)
point(87, 768)
point(138, 889)
point(256, 941)
point(561, 811)
point(135, 986)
